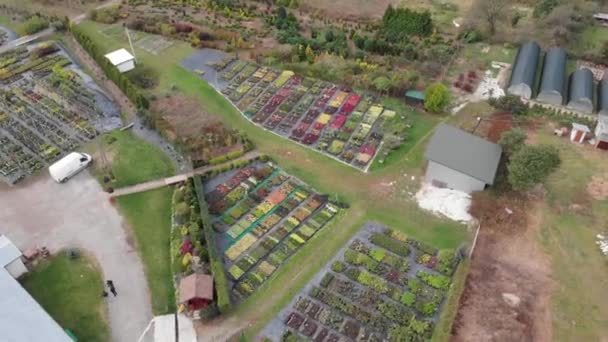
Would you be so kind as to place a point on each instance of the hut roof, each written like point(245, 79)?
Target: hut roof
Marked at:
point(581, 85)
point(196, 286)
point(554, 71)
point(525, 64)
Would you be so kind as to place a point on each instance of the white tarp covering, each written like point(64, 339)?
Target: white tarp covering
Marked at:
point(452, 204)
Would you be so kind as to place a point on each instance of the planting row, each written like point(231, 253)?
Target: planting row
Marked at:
point(331, 119)
point(263, 216)
point(45, 110)
point(382, 287)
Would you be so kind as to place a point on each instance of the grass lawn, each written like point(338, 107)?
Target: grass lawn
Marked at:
point(579, 301)
point(422, 125)
point(7, 21)
point(70, 291)
point(132, 159)
point(149, 217)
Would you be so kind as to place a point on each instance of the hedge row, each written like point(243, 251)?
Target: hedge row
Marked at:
point(217, 267)
point(111, 71)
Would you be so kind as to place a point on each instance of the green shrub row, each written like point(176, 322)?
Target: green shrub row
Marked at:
point(217, 267)
point(384, 241)
point(121, 80)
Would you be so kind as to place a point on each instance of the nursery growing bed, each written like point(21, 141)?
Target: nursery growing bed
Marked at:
point(381, 286)
point(333, 120)
point(263, 216)
point(47, 109)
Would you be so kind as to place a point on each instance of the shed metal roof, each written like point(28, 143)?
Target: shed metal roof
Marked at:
point(119, 56)
point(525, 64)
point(8, 251)
point(464, 152)
point(22, 318)
point(554, 71)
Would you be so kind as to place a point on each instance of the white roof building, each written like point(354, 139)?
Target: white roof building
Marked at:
point(122, 60)
point(21, 317)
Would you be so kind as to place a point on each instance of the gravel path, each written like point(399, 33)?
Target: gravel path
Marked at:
point(79, 214)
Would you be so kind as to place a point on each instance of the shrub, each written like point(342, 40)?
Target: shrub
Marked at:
point(408, 298)
point(182, 209)
point(436, 281)
point(446, 260)
point(437, 97)
point(378, 254)
point(143, 76)
point(34, 24)
point(338, 266)
point(510, 103)
point(106, 15)
point(414, 285)
point(397, 247)
point(532, 165)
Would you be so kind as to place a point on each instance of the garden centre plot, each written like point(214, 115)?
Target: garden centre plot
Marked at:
point(331, 119)
point(262, 216)
point(153, 44)
point(46, 109)
point(382, 286)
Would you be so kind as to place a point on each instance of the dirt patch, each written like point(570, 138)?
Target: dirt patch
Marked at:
point(507, 292)
point(598, 187)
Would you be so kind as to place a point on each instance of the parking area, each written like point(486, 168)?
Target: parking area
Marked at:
point(40, 212)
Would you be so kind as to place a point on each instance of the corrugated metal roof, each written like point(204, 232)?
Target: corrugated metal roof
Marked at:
point(8, 251)
point(119, 56)
point(603, 96)
point(554, 71)
point(464, 152)
point(525, 65)
point(22, 318)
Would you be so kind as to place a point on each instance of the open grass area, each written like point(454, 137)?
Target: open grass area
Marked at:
point(132, 159)
point(592, 39)
point(580, 306)
point(149, 217)
point(8, 22)
point(70, 291)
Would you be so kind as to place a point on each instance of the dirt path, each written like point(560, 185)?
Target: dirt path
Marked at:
point(507, 291)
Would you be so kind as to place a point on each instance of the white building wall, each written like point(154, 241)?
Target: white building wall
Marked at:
point(16, 268)
point(126, 66)
point(454, 179)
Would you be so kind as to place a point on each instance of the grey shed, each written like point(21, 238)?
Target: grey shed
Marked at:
point(460, 160)
point(554, 77)
point(524, 72)
point(603, 96)
point(581, 91)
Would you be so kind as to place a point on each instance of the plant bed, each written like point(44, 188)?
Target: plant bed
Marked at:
point(374, 289)
point(269, 221)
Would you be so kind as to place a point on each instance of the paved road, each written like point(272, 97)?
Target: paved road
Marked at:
point(159, 183)
point(78, 213)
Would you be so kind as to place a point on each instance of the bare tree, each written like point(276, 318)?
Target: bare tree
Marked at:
point(491, 11)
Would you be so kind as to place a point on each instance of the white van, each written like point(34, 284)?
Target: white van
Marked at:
point(69, 165)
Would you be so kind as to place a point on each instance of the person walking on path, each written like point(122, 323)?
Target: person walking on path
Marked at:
point(112, 288)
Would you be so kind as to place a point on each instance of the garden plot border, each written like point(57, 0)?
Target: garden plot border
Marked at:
point(275, 329)
point(193, 63)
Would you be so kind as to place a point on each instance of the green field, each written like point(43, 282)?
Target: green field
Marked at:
point(70, 291)
point(132, 160)
point(580, 304)
point(367, 194)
